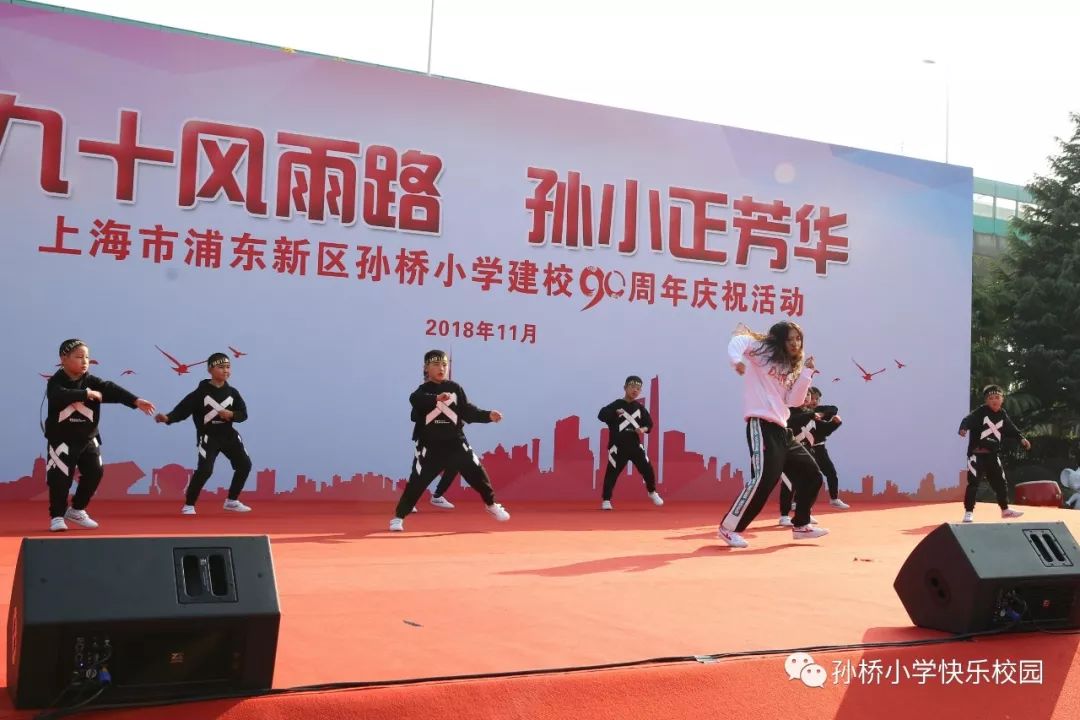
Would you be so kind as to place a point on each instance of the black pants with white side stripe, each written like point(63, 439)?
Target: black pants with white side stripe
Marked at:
point(209, 447)
point(454, 456)
point(774, 450)
point(985, 466)
point(64, 458)
point(618, 456)
point(825, 464)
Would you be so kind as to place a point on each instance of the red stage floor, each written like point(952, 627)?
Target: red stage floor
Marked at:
point(567, 585)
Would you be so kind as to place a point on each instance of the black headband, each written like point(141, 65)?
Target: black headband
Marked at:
point(70, 345)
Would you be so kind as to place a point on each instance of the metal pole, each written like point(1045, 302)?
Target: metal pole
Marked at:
point(946, 114)
point(945, 70)
point(430, 34)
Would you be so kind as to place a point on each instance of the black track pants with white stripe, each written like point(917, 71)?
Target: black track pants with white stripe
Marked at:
point(455, 457)
point(774, 450)
point(985, 466)
point(619, 455)
point(64, 459)
point(209, 447)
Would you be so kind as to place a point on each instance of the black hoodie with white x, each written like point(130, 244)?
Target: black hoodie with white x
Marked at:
point(72, 417)
point(203, 405)
point(623, 429)
point(443, 421)
point(986, 429)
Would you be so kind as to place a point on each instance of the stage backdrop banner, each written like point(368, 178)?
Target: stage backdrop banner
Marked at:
point(325, 223)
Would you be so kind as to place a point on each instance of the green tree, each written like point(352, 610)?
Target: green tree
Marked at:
point(1040, 294)
point(989, 352)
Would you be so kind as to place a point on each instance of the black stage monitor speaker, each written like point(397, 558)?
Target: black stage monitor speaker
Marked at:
point(163, 618)
point(974, 577)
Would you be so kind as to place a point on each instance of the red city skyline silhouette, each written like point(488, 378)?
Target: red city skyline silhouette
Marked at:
point(576, 473)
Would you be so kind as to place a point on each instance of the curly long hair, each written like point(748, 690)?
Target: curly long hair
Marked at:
point(773, 345)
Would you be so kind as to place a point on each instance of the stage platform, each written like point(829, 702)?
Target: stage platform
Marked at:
point(565, 586)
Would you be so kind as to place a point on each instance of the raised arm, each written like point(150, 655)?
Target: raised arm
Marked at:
point(469, 412)
point(111, 392)
point(182, 411)
point(422, 401)
point(607, 413)
point(797, 392)
point(737, 348)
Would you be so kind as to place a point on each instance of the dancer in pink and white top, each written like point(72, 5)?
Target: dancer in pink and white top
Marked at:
point(775, 378)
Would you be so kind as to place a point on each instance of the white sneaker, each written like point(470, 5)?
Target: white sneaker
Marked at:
point(187, 510)
point(606, 505)
point(656, 499)
point(397, 525)
point(1010, 513)
point(57, 524)
point(415, 509)
point(813, 520)
point(839, 504)
point(236, 506)
point(442, 502)
point(498, 512)
point(968, 517)
point(733, 539)
point(807, 532)
point(80, 518)
point(785, 521)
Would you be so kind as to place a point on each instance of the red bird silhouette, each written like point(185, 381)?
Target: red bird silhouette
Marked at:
point(867, 376)
point(235, 352)
point(45, 375)
point(899, 364)
point(836, 379)
point(127, 372)
point(815, 372)
point(178, 367)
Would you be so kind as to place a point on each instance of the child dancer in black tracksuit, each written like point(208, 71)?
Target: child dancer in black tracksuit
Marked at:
point(440, 410)
point(627, 422)
point(447, 479)
point(812, 424)
point(437, 497)
point(989, 425)
point(71, 429)
point(214, 406)
point(775, 379)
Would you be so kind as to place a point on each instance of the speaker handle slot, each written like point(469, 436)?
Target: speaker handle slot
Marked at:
point(204, 575)
point(1052, 543)
point(193, 586)
point(1040, 546)
point(219, 575)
